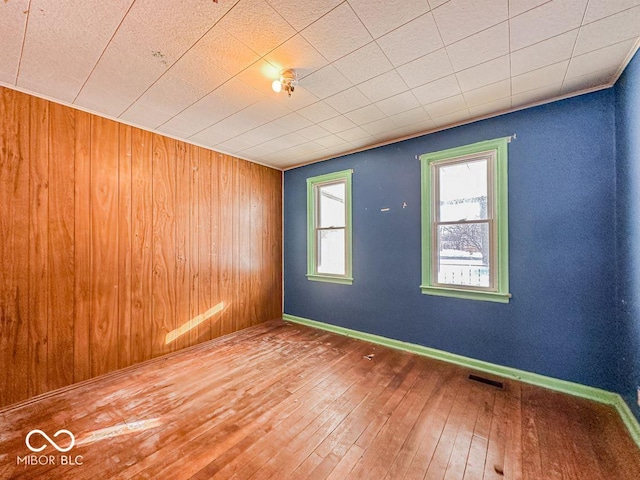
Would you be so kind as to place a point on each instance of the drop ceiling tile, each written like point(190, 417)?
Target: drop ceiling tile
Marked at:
point(300, 16)
point(259, 151)
point(166, 28)
point(410, 117)
point(326, 82)
point(610, 30)
point(426, 69)
point(304, 148)
point(287, 141)
point(347, 33)
point(210, 137)
point(293, 122)
point(598, 9)
point(542, 77)
point(484, 74)
point(318, 112)
point(546, 21)
point(257, 25)
point(379, 126)
point(501, 105)
point(434, 91)
point(411, 41)
point(352, 134)
point(479, 48)
point(220, 48)
point(535, 96)
point(145, 114)
point(459, 19)
point(202, 114)
point(12, 24)
point(268, 109)
point(446, 106)
point(299, 99)
point(63, 42)
point(238, 123)
point(348, 100)
point(298, 54)
point(118, 79)
point(365, 63)
point(488, 93)
point(234, 145)
point(590, 81)
point(365, 114)
point(260, 75)
point(451, 119)
point(544, 53)
point(517, 7)
point(606, 58)
point(437, 3)
point(381, 16)
point(337, 124)
point(383, 86)
point(398, 104)
point(414, 129)
point(314, 132)
point(205, 76)
point(263, 133)
point(364, 142)
point(169, 96)
point(332, 140)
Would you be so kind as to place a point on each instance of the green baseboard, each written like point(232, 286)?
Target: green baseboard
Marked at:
point(571, 388)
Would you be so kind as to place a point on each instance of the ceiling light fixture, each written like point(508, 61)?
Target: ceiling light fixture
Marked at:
point(287, 81)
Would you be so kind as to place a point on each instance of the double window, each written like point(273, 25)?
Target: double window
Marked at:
point(329, 228)
point(464, 222)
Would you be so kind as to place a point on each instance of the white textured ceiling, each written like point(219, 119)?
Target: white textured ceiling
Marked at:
point(371, 71)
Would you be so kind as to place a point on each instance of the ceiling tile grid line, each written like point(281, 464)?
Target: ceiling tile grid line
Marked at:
point(369, 71)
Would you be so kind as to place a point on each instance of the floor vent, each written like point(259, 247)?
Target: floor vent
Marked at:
point(493, 383)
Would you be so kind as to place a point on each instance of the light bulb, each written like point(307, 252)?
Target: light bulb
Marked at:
point(277, 86)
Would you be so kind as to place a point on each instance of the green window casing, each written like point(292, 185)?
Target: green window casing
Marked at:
point(490, 278)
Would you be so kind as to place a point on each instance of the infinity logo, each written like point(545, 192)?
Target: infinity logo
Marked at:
point(53, 444)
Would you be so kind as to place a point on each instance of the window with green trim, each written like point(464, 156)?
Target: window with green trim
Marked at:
point(465, 251)
point(329, 228)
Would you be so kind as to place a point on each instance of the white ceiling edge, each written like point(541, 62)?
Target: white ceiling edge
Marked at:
point(585, 91)
point(131, 124)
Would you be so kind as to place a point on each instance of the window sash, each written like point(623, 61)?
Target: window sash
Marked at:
point(490, 158)
point(314, 228)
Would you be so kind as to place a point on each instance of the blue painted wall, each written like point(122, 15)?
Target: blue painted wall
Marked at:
point(627, 92)
point(561, 319)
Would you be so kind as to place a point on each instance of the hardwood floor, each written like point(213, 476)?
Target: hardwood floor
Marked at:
point(280, 401)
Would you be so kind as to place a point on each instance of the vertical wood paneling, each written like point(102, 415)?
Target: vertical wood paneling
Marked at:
point(244, 254)
point(183, 242)
point(61, 245)
point(214, 320)
point(226, 284)
point(82, 261)
point(164, 244)
point(14, 241)
point(124, 247)
point(141, 245)
point(112, 237)
point(38, 241)
point(204, 244)
point(194, 260)
point(104, 246)
point(256, 238)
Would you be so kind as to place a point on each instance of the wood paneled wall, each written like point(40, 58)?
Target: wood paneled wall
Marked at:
point(119, 245)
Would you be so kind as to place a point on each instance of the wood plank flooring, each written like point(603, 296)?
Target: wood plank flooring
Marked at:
point(279, 400)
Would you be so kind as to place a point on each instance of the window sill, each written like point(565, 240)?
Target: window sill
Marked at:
point(466, 294)
point(329, 279)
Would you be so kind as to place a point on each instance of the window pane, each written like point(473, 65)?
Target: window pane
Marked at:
point(332, 205)
point(463, 191)
point(463, 254)
point(331, 252)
